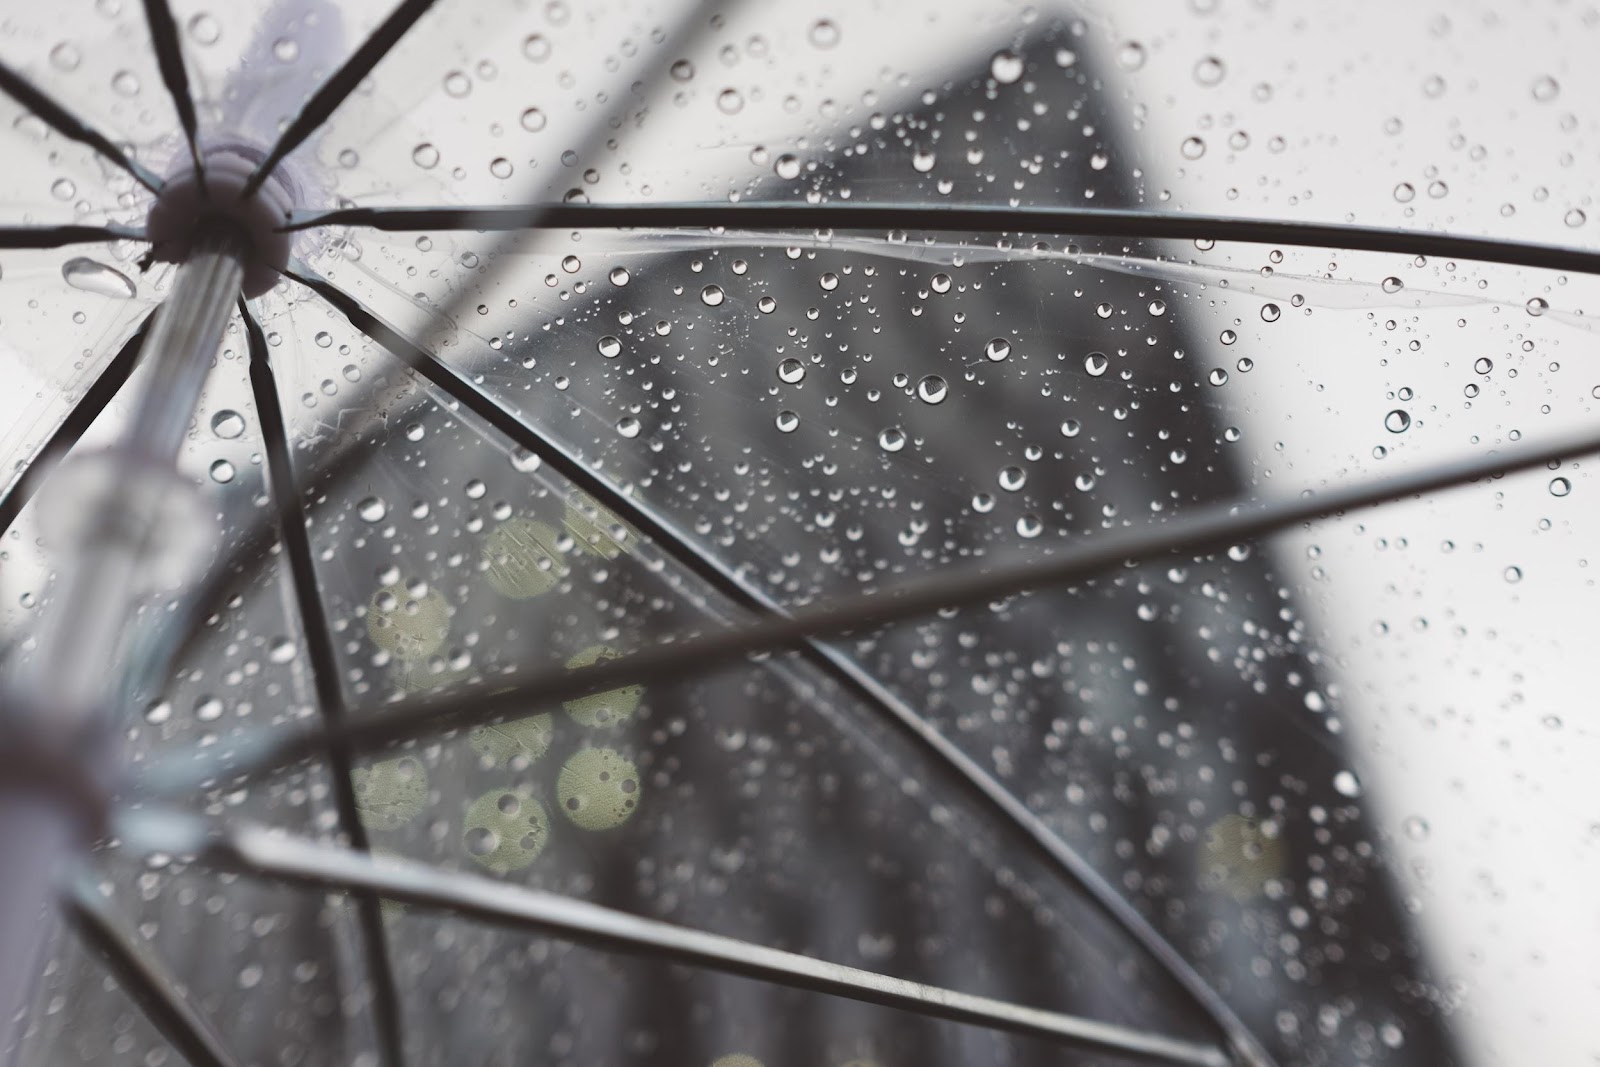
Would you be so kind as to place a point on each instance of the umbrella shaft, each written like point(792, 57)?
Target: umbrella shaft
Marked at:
point(184, 341)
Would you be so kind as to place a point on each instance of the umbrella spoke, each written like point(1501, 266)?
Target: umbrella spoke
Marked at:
point(58, 236)
point(143, 979)
point(945, 755)
point(68, 125)
point(944, 218)
point(339, 85)
point(307, 863)
point(323, 659)
point(169, 58)
point(82, 415)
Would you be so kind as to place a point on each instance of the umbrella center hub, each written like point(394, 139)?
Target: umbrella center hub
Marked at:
point(187, 207)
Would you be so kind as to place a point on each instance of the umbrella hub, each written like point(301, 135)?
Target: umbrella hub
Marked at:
point(188, 207)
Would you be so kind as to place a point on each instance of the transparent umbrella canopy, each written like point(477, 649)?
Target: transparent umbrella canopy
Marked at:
point(731, 535)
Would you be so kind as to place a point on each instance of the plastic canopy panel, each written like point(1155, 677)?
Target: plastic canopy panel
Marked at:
point(741, 535)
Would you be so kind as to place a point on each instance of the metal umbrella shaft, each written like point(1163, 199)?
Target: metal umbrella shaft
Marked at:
point(113, 517)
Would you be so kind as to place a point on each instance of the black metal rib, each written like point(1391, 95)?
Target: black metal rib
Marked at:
point(323, 658)
point(143, 979)
point(169, 60)
point(70, 126)
point(965, 772)
point(307, 863)
point(78, 420)
point(945, 218)
point(1202, 531)
point(339, 85)
point(23, 237)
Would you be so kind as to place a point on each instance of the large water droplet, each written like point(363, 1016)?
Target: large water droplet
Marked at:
point(997, 349)
point(787, 422)
point(892, 439)
point(791, 370)
point(1560, 487)
point(1397, 421)
point(1096, 364)
point(932, 389)
point(629, 427)
point(609, 346)
point(91, 276)
point(425, 156)
point(1005, 67)
point(712, 296)
point(372, 509)
point(227, 424)
point(1347, 784)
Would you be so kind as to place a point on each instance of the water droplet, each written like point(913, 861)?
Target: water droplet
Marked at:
point(997, 349)
point(204, 29)
point(1071, 428)
point(1575, 218)
point(227, 424)
point(791, 370)
point(125, 83)
point(1209, 71)
point(1270, 312)
point(787, 421)
point(629, 427)
point(1513, 574)
point(1218, 376)
point(63, 189)
point(1397, 421)
point(158, 713)
point(1405, 192)
point(787, 167)
point(66, 56)
point(892, 439)
point(940, 283)
point(372, 509)
point(766, 305)
point(1245, 365)
point(829, 281)
point(824, 33)
point(207, 708)
point(282, 650)
point(1192, 147)
point(1347, 784)
point(1013, 479)
point(932, 389)
point(682, 70)
point(1005, 67)
point(91, 276)
point(1131, 55)
point(1029, 526)
point(500, 167)
point(425, 156)
point(620, 276)
point(457, 84)
point(1538, 306)
point(1560, 487)
point(1416, 827)
point(534, 120)
point(923, 160)
point(536, 47)
point(711, 296)
point(730, 101)
point(1545, 89)
point(1227, 337)
point(1483, 365)
point(609, 347)
point(1096, 364)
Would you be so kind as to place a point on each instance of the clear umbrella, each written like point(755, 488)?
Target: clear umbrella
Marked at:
point(706, 535)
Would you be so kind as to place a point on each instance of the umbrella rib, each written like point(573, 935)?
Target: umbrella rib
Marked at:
point(307, 863)
point(169, 60)
point(143, 978)
point(946, 218)
point(41, 237)
point(68, 125)
point(1204, 530)
point(965, 772)
point(323, 658)
point(326, 100)
point(79, 418)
